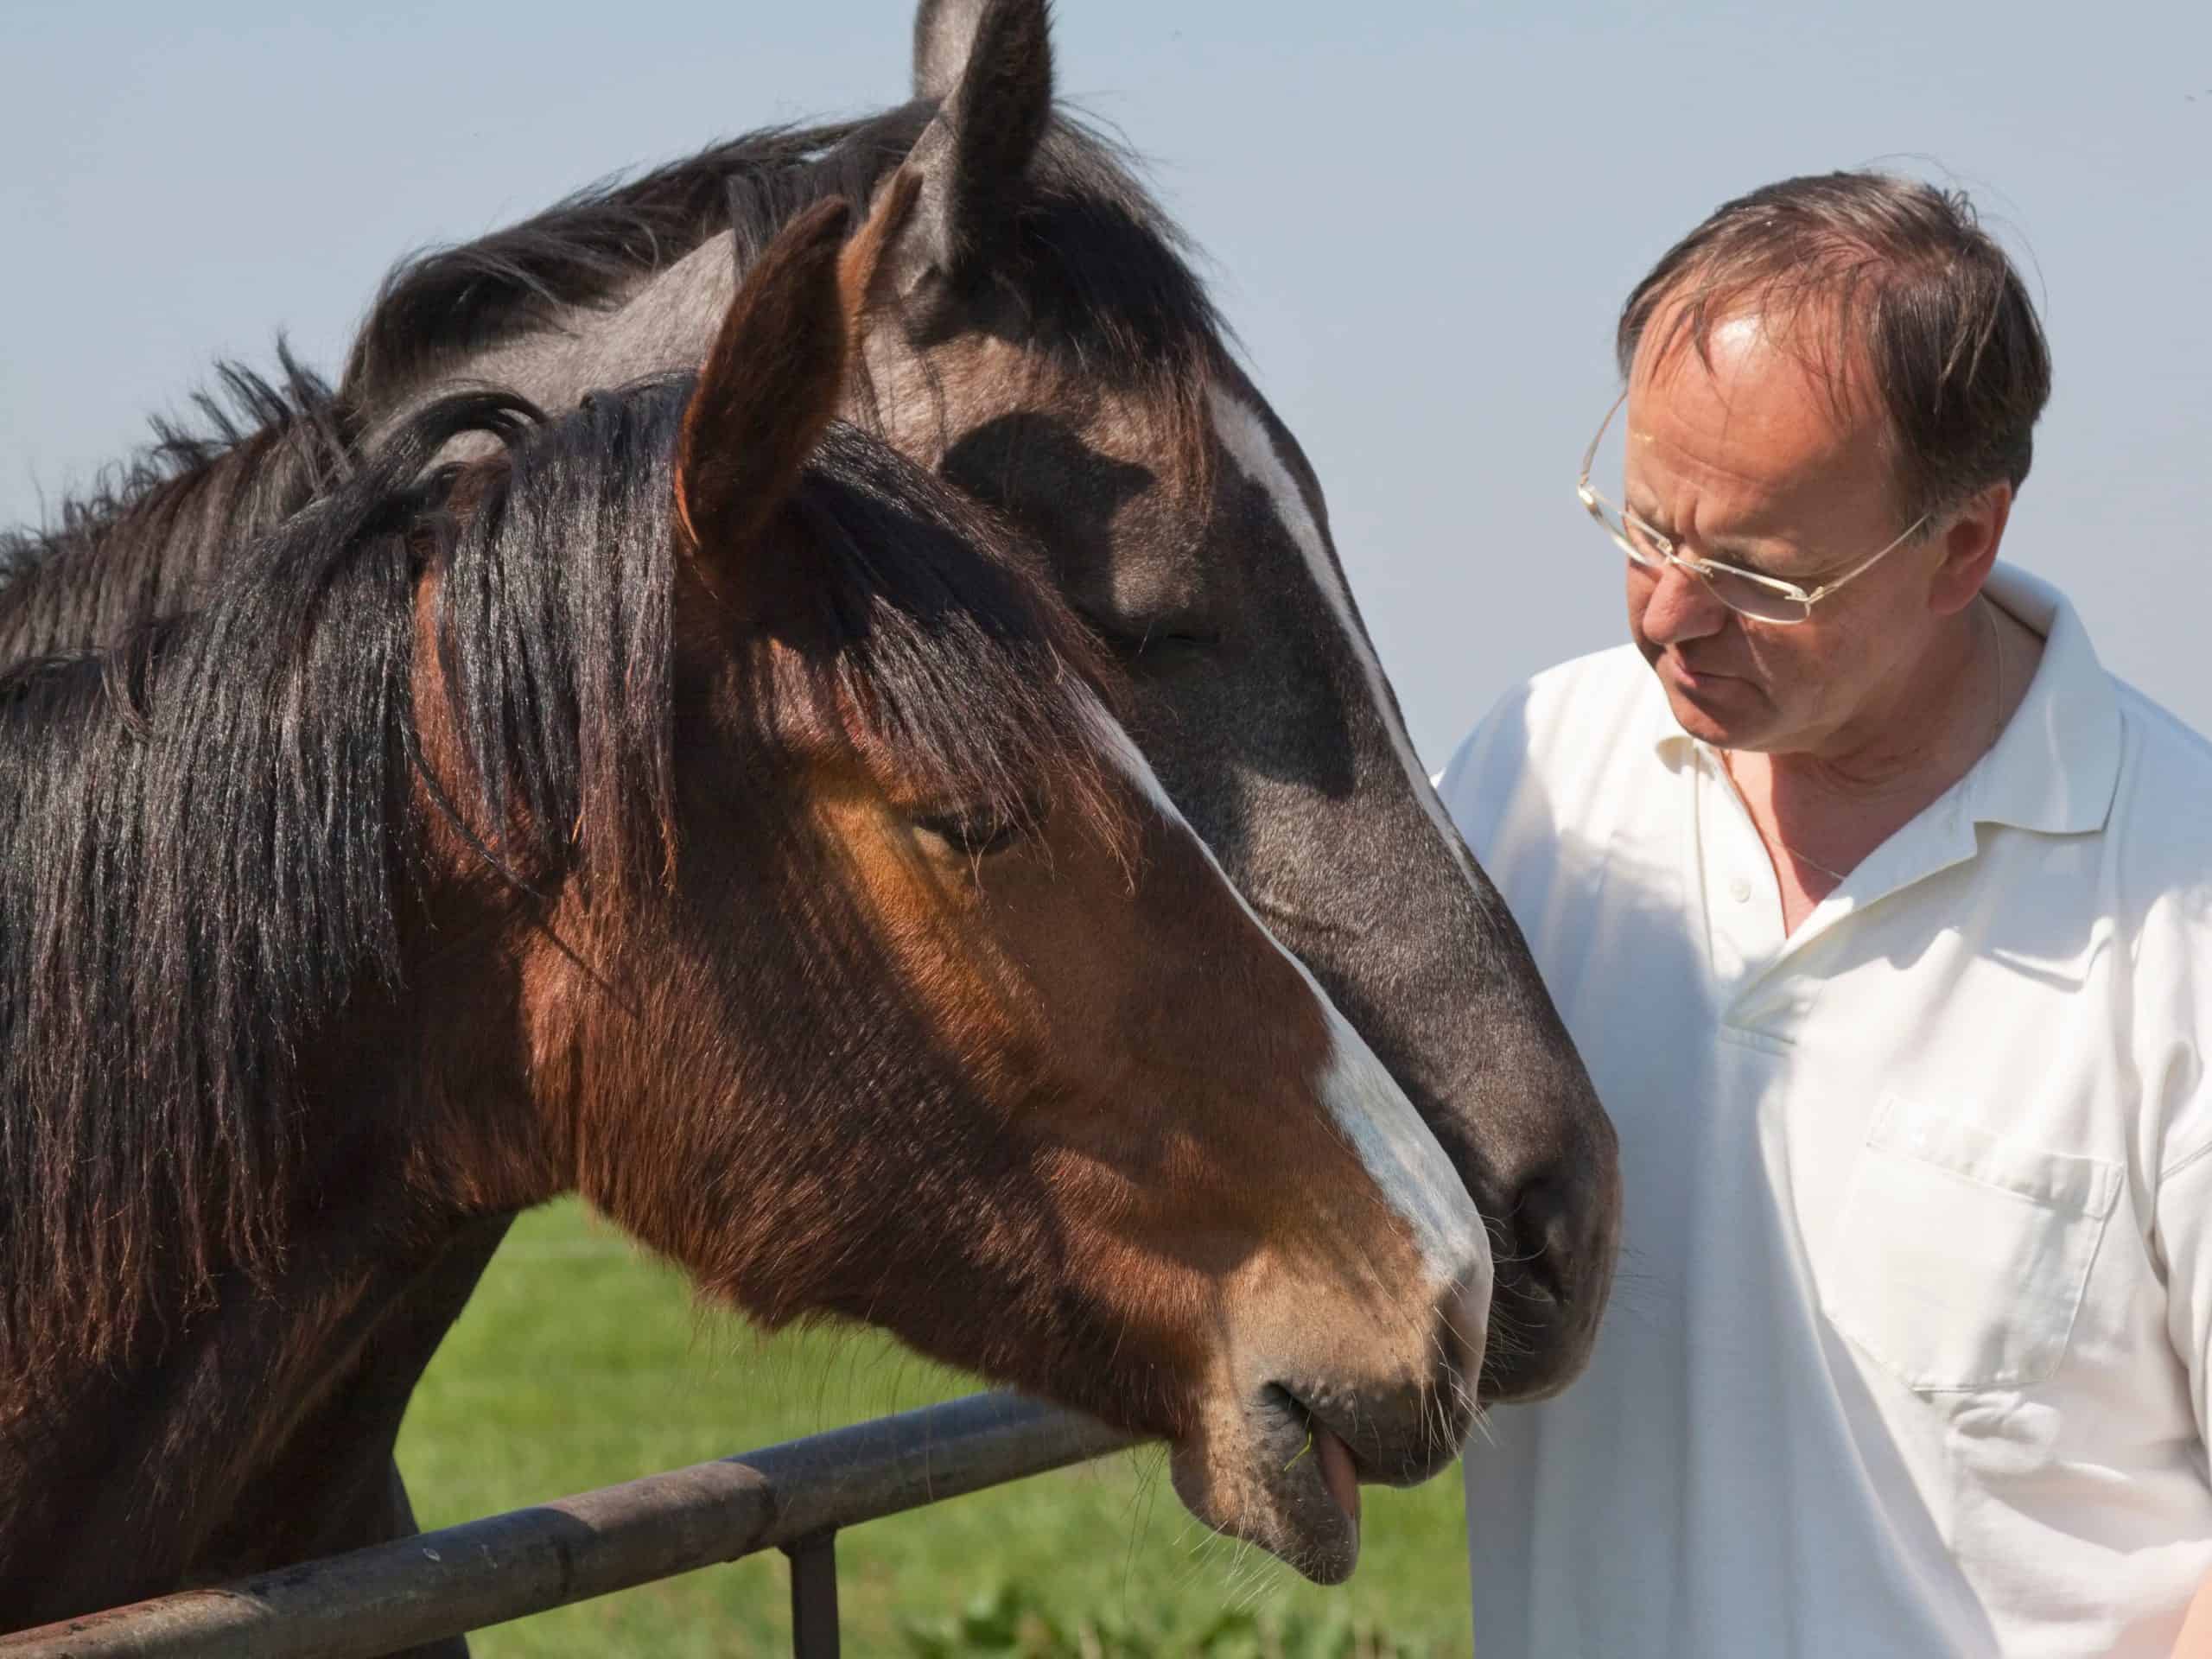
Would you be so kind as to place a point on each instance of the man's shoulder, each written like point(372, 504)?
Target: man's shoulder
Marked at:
point(2176, 752)
point(2162, 808)
point(2157, 877)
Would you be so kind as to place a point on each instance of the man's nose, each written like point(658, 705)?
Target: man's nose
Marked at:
point(1679, 607)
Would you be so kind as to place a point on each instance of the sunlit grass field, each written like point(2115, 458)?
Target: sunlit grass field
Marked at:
point(579, 1363)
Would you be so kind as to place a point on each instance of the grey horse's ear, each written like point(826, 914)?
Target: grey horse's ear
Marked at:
point(944, 35)
point(989, 65)
point(943, 32)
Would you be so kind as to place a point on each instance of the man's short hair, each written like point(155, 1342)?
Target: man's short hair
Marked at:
point(1902, 276)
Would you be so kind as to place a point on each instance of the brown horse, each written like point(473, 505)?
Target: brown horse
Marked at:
point(696, 805)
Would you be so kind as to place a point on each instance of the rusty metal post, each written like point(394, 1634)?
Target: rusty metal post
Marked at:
point(814, 1596)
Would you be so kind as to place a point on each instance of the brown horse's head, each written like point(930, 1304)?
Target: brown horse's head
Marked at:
point(914, 1000)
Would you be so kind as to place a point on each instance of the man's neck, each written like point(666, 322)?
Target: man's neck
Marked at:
point(1821, 810)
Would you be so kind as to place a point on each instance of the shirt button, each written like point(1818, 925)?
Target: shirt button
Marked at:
point(1740, 891)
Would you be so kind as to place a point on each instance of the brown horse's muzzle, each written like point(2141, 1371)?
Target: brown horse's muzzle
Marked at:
point(1328, 1400)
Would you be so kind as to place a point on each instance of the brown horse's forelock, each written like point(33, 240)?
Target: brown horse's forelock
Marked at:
point(206, 834)
point(961, 678)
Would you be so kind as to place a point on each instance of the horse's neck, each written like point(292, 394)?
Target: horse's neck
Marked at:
point(666, 323)
point(262, 1435)
point(257, 1431)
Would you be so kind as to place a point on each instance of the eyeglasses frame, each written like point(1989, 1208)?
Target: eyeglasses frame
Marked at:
point(1597, 504)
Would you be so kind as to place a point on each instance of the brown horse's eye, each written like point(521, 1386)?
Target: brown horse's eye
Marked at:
point(977, 835)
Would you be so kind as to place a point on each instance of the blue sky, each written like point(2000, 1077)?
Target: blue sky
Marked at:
point(1421, 218)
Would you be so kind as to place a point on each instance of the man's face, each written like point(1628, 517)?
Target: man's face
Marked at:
point(1753, 463)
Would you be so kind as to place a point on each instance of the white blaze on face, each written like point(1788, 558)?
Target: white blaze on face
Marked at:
point(1244, 433)
point(1371, 1111)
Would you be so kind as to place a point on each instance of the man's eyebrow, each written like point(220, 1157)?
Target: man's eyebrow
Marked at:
point(1745, 549)
point(1742, 550)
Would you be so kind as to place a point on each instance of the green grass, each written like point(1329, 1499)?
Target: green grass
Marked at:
point(580, 1364)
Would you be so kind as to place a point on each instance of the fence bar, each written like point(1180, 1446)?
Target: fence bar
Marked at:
point(814, 1596)
point(439, 1583)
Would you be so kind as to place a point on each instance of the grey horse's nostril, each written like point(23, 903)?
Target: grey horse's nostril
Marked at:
point(1541, 1224)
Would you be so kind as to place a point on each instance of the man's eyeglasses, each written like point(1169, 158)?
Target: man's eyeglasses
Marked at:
point(1747, 593)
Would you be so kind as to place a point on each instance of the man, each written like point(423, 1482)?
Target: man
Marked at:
point(1883, 916)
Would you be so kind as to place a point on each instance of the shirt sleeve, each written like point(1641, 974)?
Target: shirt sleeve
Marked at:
point(2185, 1238)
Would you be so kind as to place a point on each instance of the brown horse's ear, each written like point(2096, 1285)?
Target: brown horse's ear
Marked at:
point(989, 65)
point(864, 269)
point(771, 383)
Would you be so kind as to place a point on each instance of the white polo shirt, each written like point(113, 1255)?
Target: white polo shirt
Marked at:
point(1908, 1353)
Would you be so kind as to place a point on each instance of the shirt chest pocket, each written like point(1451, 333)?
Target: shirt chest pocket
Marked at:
point(1960, 1257)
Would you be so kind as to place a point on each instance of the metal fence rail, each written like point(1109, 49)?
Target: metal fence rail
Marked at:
point(793, 1497)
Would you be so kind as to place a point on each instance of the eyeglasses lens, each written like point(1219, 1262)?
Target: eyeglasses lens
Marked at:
point(1739, 593)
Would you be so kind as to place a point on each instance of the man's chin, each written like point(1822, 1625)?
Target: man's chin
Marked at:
point(1724, 712)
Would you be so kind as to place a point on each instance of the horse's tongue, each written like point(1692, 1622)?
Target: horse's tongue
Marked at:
point(1337, 1472)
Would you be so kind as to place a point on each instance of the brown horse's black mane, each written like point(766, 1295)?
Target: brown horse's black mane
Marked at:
point(1098, 263)
point(150, 531)
point(208, 831)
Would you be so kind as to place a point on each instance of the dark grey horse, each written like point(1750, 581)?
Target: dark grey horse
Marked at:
point(1045, 346)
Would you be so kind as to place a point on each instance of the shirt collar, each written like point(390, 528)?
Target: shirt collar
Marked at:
point(2056, 764)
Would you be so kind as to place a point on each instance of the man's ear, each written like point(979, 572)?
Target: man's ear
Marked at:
point(1970, 540)
point(771, 386)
